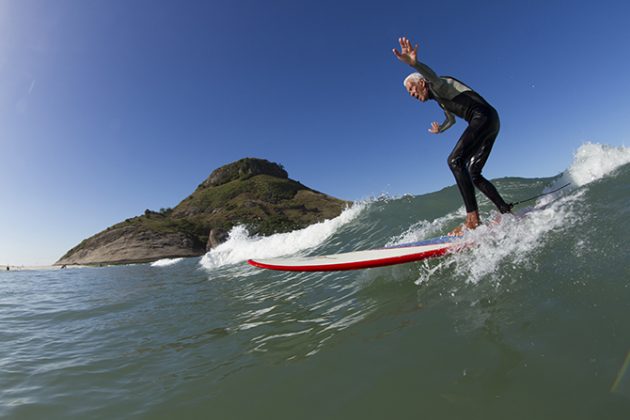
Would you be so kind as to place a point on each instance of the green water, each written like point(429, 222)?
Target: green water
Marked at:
point(532, 324)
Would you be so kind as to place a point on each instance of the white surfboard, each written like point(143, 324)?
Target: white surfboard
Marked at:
point(397, 254)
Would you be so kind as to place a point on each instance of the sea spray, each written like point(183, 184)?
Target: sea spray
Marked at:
point(591, 162)
point(165, 262)
point(242, 246)
point(514, 240)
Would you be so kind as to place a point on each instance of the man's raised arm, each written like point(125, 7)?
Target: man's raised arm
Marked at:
point(409, 55)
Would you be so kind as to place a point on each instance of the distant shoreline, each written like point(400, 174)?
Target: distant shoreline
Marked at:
point(3, 268)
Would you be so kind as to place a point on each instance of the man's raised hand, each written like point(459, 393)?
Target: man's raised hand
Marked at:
point(407, 54)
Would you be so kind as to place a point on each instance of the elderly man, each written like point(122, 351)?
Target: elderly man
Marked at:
point(471, 151)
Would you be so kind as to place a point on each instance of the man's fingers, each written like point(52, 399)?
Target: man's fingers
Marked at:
point(405, 47)
point(404, 44)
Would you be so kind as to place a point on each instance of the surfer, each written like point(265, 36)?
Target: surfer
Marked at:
point(471, 151)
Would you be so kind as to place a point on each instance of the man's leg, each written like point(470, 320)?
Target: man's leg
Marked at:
point(477, 163)
point(458, 162)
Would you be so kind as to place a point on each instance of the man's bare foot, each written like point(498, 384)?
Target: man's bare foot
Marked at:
point(472, 222)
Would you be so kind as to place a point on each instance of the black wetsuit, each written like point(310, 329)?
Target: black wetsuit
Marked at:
point(473, 148)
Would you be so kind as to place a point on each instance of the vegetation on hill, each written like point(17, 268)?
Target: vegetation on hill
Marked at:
point(252, 192)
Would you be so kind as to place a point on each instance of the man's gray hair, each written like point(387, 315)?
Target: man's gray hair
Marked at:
point(413, 77)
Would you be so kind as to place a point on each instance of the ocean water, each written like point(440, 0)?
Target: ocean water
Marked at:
point(531, 323)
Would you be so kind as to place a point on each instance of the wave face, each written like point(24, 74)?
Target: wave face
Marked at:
point(531, 322)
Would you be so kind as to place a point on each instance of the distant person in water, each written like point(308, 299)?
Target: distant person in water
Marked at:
point(473, 148)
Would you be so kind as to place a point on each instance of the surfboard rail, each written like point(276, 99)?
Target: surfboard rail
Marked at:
point(397, 254)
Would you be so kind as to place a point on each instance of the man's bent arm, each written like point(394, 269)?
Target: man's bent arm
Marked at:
point(448, 122)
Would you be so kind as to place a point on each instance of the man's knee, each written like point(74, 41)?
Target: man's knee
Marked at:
point(456, 163)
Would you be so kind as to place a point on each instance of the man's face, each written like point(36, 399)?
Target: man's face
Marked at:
point(418, 90)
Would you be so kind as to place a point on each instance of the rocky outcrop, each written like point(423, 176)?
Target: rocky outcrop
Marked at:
point(252, 192)
point(244, 169)
point(129, 245)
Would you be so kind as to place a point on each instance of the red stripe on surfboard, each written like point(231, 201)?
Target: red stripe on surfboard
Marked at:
point(354, 265)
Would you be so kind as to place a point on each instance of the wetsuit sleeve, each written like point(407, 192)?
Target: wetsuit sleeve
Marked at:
point(429, 74)
point(448, 122)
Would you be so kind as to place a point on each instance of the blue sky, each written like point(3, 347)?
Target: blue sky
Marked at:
point(110, 107)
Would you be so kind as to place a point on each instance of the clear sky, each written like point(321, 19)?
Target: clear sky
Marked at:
point(111, 107)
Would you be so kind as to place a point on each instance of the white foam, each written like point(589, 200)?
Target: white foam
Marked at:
point(592, 162)
point(509, 240)
point(514, 240)
point(164, 262)
point(242, 246)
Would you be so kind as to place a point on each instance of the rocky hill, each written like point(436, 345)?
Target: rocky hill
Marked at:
point(252, 192)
